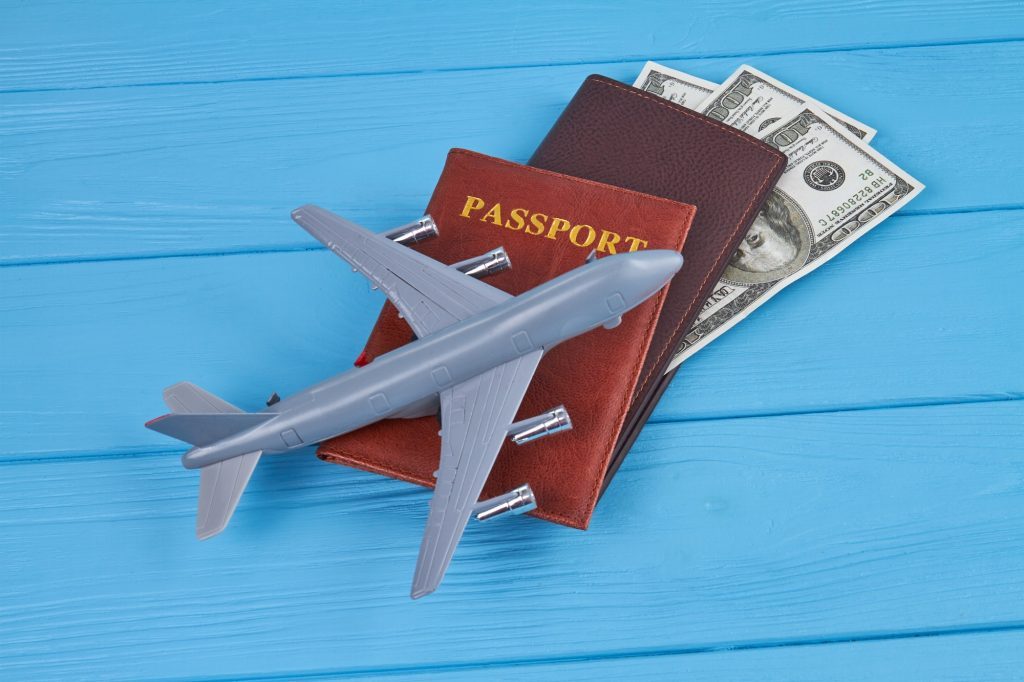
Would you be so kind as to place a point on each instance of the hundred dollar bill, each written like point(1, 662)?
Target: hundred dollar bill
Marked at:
point(834, 189)
point(675, 86)
point(753, 101)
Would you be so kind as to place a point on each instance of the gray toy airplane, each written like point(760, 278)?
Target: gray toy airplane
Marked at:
point(476, 351)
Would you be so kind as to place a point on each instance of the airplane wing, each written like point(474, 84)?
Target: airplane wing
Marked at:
point(430, 295)
point(475, 416)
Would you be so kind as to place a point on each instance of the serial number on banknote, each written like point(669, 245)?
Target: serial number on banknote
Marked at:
point(855, 200)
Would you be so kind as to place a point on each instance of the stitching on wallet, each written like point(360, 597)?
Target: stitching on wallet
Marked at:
point(681, 110)
point(746, 212)
point(718, 261)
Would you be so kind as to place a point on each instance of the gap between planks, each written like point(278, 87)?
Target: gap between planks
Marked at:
point(535, 65)
point(305, 246)
point(725, 647)
point(132, 452)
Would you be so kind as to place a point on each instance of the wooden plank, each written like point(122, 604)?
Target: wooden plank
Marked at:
point(82, 45)
point(976, 656)
point(915, 312)
point(215, 168)
point(716, 534)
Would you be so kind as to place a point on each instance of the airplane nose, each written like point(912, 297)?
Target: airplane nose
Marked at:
point(669, 261)
point(653, 270)
point(660, 263)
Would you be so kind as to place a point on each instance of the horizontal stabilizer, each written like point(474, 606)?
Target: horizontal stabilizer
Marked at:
point(220, 487)
point(205, 429)
point(186, 398)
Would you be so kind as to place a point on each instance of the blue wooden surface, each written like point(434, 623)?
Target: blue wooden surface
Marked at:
point(833, 490)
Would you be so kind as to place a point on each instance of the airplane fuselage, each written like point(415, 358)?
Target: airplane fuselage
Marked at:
point(571, 304)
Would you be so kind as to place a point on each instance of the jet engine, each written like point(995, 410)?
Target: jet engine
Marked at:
point(491, 263)
point(541, 426)
point(414, 232)
point(517, 501)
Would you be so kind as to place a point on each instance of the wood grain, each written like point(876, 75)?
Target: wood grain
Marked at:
point(82, 45)
point(216, 168)
point(716, 533)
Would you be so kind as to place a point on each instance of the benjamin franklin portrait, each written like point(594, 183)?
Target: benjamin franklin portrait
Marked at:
point(775, 246)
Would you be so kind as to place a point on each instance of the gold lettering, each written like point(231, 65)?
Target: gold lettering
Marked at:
point(472, 204)
point(537, 220)
point(608, 241)
point(537, 224)
point(635, 243)
point(591, 235)
point(558, 225)
point(494, 215)
point(518, 215)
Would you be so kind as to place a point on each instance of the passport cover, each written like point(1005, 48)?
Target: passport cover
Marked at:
point(627, 137)
point(548, 224)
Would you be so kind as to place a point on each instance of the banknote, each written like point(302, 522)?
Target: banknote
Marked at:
point(675, 86)
point(834, 189)
point(753, 101)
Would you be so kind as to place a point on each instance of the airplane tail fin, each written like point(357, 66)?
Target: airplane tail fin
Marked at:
point(200, 418)
point(205, 429)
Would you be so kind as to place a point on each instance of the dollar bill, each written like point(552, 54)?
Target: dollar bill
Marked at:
point(753, 101)
point(675, 86)
point(834, 189)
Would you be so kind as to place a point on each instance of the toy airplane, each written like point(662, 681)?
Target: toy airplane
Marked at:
point(475, 355)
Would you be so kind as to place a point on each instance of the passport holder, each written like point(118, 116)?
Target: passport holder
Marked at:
point(548, 223)
point(623, 136)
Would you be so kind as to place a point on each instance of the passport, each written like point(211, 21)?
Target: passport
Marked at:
point(548, 223)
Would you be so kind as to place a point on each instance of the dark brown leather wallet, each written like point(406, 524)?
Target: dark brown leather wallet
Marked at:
point(619, 135)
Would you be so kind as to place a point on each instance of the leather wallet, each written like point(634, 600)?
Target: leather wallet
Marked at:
point(623, 136)
point(548, 223)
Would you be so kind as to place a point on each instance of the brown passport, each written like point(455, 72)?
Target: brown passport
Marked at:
point(626, 137)
point(548, 223)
